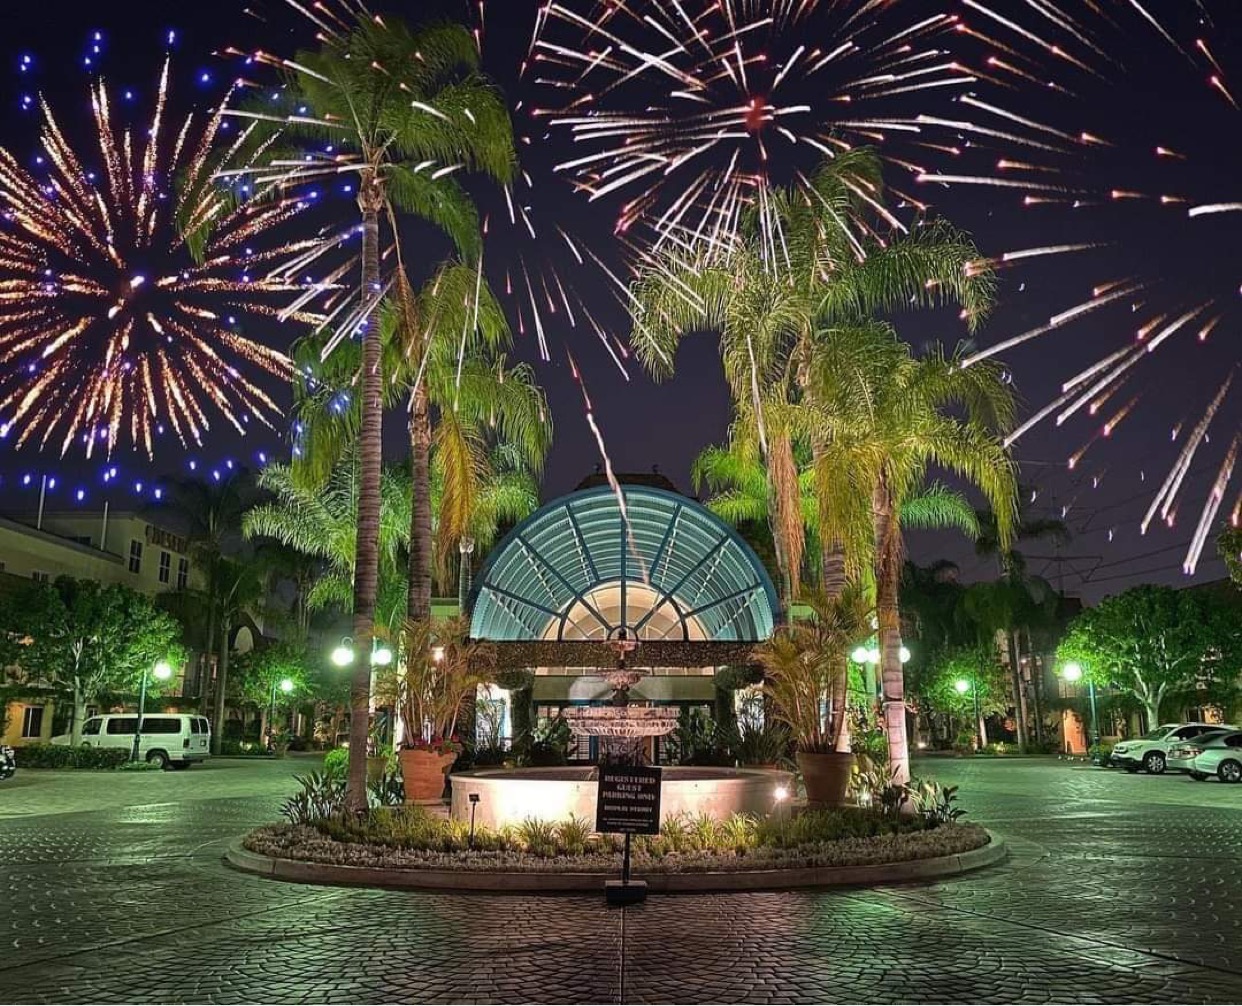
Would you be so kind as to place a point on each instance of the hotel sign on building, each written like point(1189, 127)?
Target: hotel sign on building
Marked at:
point(166, 539)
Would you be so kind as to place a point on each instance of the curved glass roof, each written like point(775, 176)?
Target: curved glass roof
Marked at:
point(574, 570)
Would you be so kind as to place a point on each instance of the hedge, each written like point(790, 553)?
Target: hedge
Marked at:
point(65, 757)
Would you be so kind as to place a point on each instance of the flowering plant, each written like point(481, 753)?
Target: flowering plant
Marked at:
point(439, 669)
point(437, 744)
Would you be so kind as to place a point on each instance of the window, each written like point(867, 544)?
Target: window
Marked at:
point(161, 725)
point(1233, 741)
point(40, 577)
point(165, 567)
point(198, 725)
point(135, 556)
point(32, 722)
point(122, 725)
point(91, 727)
point(183, 573)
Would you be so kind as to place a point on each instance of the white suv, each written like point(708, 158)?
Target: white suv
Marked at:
point(1151, 751)
point(175, 740)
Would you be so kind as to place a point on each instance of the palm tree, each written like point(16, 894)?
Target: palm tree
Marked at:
point(241, 591)
point(212, 514)
point(442, 354)
point(323, 522)
point(921, 412)
point(777, 307)
point(402, 110)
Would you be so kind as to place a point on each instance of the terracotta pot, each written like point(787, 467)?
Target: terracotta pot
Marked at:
point(423, 773)
point(827, 777)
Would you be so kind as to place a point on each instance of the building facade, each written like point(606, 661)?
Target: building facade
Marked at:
point(129, 548)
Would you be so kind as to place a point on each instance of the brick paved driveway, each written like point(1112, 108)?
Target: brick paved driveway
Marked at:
point(1119, 889)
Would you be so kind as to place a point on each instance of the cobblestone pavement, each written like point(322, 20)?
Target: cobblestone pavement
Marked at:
point(1119, 889)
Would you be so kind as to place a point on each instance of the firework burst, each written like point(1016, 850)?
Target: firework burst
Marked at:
point(1131, 179)
point(691, 108)
point(127, 288)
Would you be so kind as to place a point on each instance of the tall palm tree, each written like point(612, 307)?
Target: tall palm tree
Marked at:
point(775, 304)
point(442, 355)
point(921, 412)
point(402, 109)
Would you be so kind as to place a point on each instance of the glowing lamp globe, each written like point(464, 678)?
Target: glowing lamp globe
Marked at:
point(962, 686)
point(342, 656)
point(904, 654)
point(1072, 671)
point(162, 670)
point(382, 656)
point(286, 686)
point(859, 656)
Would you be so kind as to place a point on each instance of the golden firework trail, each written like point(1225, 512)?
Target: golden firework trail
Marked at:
point(126, 293)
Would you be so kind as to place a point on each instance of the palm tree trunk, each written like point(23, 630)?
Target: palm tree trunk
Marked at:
point(418, 598)
point(222, 681)
point(888, 613)
point(1019, 693)
point(370, 454)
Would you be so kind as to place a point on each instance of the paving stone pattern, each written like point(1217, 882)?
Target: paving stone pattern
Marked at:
point(1119, 889)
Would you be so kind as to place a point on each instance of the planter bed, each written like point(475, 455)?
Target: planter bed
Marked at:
point(303, 853)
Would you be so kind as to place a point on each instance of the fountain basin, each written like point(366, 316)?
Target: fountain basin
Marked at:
point(507, 796)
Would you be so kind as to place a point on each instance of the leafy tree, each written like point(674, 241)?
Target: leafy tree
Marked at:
point(1158, 644)
point(936, 683)
point(1229, 544)
point(90, 639)
point(255, 674)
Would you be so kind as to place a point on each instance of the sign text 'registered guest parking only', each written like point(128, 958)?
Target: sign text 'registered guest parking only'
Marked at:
point(629, 800)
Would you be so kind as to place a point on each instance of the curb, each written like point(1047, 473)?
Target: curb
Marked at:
point(298, 871)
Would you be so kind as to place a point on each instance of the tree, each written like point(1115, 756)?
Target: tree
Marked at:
point(323, 522)
point(921, 411)
point(1157, 644)
point(442, 352)
point(403, 109)
point(257, 675)
point(937, 682)
point(1229, 544)
point(212, 512)
point(90, 639)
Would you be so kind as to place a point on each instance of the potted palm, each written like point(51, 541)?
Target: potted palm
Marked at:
point(804, 666)
point(440, 668)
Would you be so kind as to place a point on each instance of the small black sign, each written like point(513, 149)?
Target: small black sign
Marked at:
point(629, 800)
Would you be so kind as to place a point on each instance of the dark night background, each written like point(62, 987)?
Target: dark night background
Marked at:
point(666, 425)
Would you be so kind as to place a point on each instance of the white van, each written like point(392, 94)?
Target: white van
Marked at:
point(167, 739)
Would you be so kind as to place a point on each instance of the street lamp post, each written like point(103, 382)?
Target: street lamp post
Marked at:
point(962, 686)
point(286, 686)
point(1073, 672)
point(162, 671)
point(381, 656)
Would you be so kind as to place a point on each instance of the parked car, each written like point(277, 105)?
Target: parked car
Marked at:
point(170, 740)
point(1151, 751)
point(8, 762)
point(1183, 753)
point(1222, 757)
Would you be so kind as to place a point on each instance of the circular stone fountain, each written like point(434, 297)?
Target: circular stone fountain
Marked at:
point(508, 796)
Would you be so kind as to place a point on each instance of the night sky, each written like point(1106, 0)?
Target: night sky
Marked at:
point(1148, 96)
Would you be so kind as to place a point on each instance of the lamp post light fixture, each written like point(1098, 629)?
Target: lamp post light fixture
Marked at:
point(162, 671)
point(343, 655)
point(1072, 671)
point(437, 653)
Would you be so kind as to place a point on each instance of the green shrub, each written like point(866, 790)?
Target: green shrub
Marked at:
point(538, 837)
point(140, 766)
point(336, 763)
point(573, 835)
point(322, 796)
point(62, 756)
